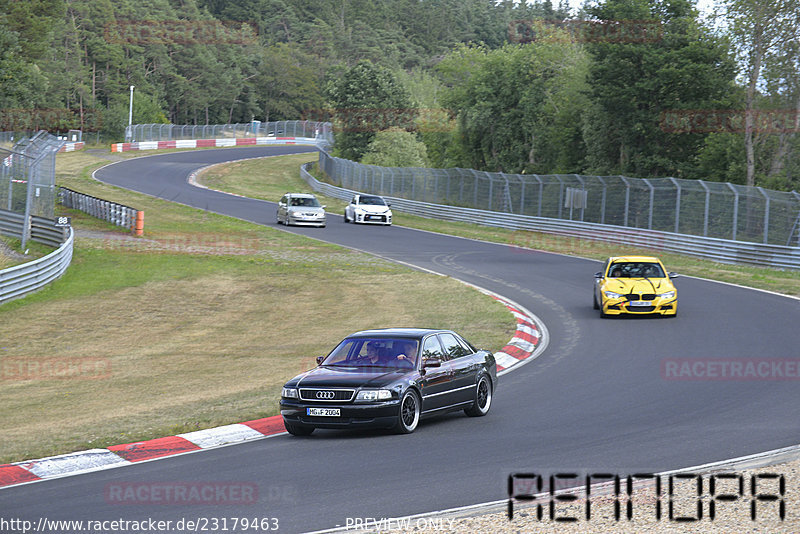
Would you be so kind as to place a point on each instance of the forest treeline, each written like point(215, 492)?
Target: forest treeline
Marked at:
point(643, 88)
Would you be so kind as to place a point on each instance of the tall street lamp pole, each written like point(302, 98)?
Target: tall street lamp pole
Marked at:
point(130, 115)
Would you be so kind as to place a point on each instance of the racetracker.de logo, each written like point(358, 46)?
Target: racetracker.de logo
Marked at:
point(734, 369)
point(181, 493)
point(379, 119)
point(84, 368)
point(768, 121)
point(181, 32)
point(51, 119)
point(585, 31)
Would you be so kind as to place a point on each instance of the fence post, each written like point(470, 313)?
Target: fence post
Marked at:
point(677, 203)
point(735, 210)
point(766, 213)
point(627, 199)
point(650, 209)
point(705, 208)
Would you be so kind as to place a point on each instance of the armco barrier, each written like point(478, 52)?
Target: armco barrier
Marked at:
point(106, 210)
point(22, 279)
point(201, 143)
point(721, 250)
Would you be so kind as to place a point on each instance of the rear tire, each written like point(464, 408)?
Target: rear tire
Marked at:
point(483, 398)
point(408, 418)
point(297, 429)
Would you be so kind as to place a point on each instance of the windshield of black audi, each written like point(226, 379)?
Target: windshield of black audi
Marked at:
point(373, 201)
point(398, 353)
point(635, 270)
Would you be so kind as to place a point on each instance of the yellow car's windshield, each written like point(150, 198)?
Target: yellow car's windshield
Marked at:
point(635, 270)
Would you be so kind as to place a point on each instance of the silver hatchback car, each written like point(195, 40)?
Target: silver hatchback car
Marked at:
point(300, 209)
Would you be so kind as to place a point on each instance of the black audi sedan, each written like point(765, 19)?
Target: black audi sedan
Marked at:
point(390, 378)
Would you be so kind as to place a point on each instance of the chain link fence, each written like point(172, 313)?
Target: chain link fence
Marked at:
point(169, 132)
point(693, 207)
point(28, 177)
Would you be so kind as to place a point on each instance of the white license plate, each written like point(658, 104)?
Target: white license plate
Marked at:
point(324, 412)
point(639, 303)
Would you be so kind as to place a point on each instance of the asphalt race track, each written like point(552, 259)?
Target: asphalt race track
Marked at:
point(595, 400)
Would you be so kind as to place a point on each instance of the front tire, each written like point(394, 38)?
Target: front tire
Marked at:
point(298, 429)
point(483, 398)
point(594, 301)
point(408, 418)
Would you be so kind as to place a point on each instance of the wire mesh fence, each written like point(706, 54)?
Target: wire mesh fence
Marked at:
point(693, 207)
point(28, 175)
point(169, 132)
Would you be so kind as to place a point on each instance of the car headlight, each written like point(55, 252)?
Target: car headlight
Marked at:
point(289, 393)
point(667, 295)
point(612, 295)
point(374, 395)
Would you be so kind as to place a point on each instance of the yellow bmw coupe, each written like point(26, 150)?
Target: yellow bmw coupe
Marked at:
point(635, 285)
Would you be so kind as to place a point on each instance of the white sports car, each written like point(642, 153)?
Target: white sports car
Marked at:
point(370, 209)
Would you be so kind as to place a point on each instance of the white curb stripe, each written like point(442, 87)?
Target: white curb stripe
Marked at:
point(527, 346)
point(521, 316)
point(214, 437)
point(532, 331)
point(76, 462)
point(505, 360)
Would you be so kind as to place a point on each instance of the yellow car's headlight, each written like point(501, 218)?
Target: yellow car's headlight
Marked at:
point(667, 295)
point(611, 295)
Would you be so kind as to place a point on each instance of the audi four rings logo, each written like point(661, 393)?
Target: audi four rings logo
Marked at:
point(325, 394)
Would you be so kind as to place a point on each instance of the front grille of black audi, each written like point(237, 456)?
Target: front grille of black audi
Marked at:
point(327, 395)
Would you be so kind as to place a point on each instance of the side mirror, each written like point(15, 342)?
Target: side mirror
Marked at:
point(431, 362)
point(673, 275)
point(388, 205)
point(598, 275)
point(324, 206)
point(320, 359)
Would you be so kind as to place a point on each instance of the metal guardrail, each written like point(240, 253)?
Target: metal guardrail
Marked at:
point(694, 207)
point(721, 250)
point(26, 278)
point(106, 210)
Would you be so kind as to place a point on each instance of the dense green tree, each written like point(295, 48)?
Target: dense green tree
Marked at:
point(396, 147)
point(366, 99)
point(21, 83)
point(632, 83)
point(766, 37)
point(519, 106)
